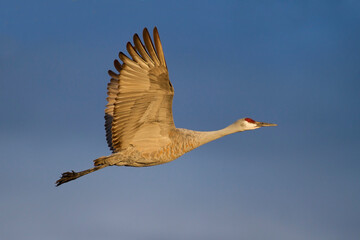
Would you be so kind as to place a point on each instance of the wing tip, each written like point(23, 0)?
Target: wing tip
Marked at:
point(145, 31)
point(155, 31)
point(117, 65)
point(113, 74)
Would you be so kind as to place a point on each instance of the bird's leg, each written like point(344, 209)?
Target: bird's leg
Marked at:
point(108, 161)
point(101, 161)
point(69, 176)
point(98, 164)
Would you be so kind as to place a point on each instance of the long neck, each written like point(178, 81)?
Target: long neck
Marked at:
point(206, 137)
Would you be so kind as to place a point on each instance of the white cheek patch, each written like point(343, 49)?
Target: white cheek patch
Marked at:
point(250, 125)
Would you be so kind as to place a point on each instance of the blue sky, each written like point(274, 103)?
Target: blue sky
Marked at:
point(295, 63)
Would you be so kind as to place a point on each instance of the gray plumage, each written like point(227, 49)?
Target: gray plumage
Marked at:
point(140, 129)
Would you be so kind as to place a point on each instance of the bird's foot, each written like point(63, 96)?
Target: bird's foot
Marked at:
point(66, 177)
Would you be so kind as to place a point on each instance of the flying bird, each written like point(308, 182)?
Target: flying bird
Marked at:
point(140, 129)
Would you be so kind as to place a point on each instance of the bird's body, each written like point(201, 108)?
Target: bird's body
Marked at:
point(138, 117)
point(180, 141)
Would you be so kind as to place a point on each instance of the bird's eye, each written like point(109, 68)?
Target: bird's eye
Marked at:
point(249, 120)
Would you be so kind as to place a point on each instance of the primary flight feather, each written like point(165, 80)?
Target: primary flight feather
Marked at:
point(140, 129)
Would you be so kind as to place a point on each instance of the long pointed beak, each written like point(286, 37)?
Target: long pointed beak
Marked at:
point(262, 124)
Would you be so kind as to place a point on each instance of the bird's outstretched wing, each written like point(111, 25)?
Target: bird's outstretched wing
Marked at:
point(139, 109)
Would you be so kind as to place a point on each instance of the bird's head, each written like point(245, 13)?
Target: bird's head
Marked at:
point(244, 124)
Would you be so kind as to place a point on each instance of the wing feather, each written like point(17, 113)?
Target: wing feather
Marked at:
point(139, 109)
point(136, 56)
point(141, 49)
point(112, 87)
point(158, 47)
point(150, 47)
point(117, 65)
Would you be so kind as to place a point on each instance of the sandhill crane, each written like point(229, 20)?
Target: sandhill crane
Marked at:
point(139, 124)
